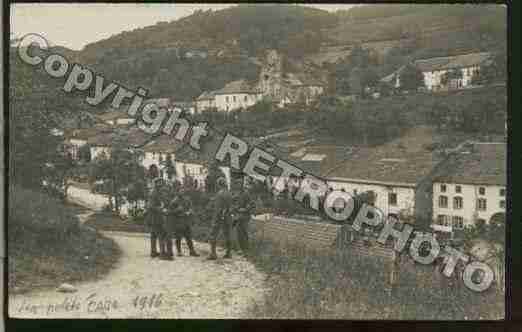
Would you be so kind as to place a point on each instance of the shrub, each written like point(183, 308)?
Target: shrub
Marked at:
point(47, 245)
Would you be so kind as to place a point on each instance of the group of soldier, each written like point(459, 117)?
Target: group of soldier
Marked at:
point(229, 209)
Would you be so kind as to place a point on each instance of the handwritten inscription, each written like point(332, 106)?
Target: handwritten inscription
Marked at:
point(93, 303)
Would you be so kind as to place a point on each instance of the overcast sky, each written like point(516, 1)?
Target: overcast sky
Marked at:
point(75, 25)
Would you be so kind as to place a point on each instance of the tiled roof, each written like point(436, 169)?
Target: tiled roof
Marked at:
point(451, 62)
point(86, 133)
point(165, 144)
point(133, 137)
point(404, 160)
point(206, 96)
point(483, 163)
point(239, 86)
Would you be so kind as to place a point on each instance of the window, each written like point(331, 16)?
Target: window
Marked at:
point(481, 204)
point(234, 98)
point(457, 203)
point(458, 222)
point(227, 99)
point(442, 188)
point(502, 192)
point(482, 191)
point(245, 98)
point(392, 199)
point(458, 189)
point(443, 220)
point(502, 204)
point(443, 201)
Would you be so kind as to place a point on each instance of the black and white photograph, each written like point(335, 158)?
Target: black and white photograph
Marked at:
point(257, 161)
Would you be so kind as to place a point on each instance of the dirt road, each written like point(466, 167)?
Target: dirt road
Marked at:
point(141, 287)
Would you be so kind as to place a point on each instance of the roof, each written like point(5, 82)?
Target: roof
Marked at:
point(239, 86)
point(450, 62)
point(86, 133)
point(391, 77)
point(404, 160)
point(206, 155)
point(164, 144)
point(482, 163)
point(319, 159)
point(133, 137)
point(293, 79)
point(113, 114)
point(206, 95)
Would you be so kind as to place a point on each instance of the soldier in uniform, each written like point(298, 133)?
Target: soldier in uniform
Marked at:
point(155, 222)
point(244, 206)
point(221, 219)
point(179, 215)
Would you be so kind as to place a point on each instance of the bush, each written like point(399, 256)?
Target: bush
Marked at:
point(47, 245)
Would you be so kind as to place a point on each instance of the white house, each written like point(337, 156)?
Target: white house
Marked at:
point(234, 95)
point(117, 117)
point(131, 138)
point(464, 66)
point(76, 138)
point(157, 152)
point(471, 188)
point(205, 101)
point(195, 163)
point(399, 174)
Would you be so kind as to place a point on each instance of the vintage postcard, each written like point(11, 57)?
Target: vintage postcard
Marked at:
point(267, 161)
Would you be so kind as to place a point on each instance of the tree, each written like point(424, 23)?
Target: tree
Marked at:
point(411, 78)
point(57, 175)
point(113, 174)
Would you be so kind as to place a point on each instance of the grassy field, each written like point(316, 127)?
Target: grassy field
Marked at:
point(47, 245)
point(340, 285)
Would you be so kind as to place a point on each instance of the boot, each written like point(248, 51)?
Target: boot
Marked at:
point(153, 246)
point(213, 254)
point(191, 248)
point(228, 254)
point(178, 247)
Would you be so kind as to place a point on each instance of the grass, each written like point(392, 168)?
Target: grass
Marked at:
point(309, 284)
point(47, 245)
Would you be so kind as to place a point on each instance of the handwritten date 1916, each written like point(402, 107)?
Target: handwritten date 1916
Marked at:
point(148, 302)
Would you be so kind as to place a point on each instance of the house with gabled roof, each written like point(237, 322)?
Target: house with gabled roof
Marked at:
point(470, 187)
point(464, 67)
point(205, 101)
point(398, 174)
point(117, 117)
point(157, 151)
point(196, 163)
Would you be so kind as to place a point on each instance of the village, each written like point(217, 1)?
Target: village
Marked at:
point(453, 189)
point(186, 168)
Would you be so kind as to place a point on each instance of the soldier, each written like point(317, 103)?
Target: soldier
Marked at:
point(180, 214)
point(155, 222)
point(221, 219)
point(244, 206)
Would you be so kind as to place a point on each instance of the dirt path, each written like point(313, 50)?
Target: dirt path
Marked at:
point(188, 287)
